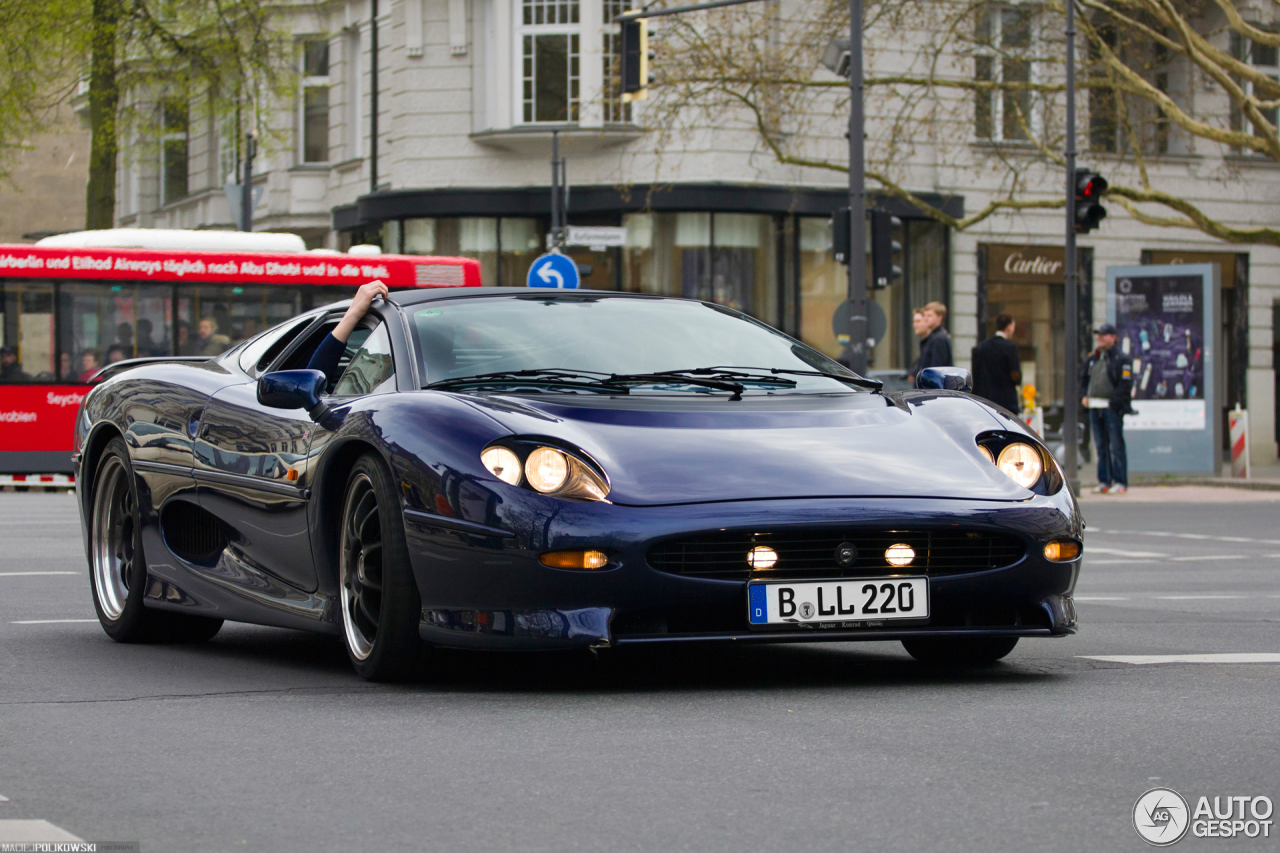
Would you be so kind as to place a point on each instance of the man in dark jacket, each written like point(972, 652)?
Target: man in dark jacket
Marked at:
point(997, 368)
point(1107, 380)
point(935, 349)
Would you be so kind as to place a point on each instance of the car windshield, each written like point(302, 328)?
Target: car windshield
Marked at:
point(573, 341)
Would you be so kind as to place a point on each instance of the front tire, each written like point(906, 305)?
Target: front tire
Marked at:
point(117, 567)
point(959, 652)
point(380, 603)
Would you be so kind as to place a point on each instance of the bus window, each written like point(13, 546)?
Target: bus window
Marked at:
point(26, 331)
point(214, 318)
point(106, 323)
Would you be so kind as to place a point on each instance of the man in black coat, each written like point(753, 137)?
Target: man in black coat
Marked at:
point(997, 367)
point(935, 349)
point(1107, 382)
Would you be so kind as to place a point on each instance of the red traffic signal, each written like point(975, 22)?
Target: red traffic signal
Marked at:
point(1090, 187)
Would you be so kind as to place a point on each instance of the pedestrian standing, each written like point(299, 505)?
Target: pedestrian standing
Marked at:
point(935, 349)
point(997, 367)
point(1108, 376)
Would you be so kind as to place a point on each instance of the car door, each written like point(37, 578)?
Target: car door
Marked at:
point(251, 465)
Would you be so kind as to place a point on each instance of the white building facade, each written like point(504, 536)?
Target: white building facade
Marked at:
point(452, 157)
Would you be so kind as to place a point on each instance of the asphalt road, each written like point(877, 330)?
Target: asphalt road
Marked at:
point(265, 740)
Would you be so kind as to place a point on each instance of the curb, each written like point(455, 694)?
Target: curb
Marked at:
point(1216, 482)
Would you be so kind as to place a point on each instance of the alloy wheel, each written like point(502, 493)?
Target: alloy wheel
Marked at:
point(361, 568)
point(114, 538)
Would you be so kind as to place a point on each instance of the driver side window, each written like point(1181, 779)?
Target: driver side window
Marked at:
point(368, 368)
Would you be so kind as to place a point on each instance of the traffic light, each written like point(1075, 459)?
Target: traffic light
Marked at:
point(635, 60)
point(881, 245)
point(1089, 189)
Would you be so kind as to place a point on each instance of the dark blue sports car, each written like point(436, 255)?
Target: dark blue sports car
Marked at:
point(534, 469)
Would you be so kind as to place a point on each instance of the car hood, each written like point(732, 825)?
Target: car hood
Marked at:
point(669, 450)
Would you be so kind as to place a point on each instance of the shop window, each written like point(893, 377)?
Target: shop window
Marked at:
point(174, 145)
point(549, 33)
point(727, 258)
point(105, 323)
point(1004, 36)
point(467, 237)
point(313, 102)
point(26, 332)
point(521, 242)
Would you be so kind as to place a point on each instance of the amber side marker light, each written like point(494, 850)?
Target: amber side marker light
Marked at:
point(1061, 550)
point(575, 559)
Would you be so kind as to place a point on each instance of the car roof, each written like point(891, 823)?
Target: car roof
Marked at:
point(406, 298)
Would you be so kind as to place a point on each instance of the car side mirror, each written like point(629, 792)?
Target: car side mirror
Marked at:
point(945, 379)
point(294, 389)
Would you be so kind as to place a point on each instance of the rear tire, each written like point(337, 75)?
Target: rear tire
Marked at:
point(959, 652)
point(381, 607)
point(118, 568)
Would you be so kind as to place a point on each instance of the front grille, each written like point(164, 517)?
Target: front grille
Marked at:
point(813, 553)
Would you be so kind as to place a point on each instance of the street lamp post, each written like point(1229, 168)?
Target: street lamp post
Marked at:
point(1071, 341)
point(857, 198)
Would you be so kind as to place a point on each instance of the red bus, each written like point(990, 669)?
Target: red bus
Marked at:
point(74, 303)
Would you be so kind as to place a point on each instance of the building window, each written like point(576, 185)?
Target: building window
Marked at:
point(614, 108)
point(1266, 59)
point(173, 153)
point(229, 148)
point(1004, 38)
point(314, 102)
point(549, 35)
point(351, 93)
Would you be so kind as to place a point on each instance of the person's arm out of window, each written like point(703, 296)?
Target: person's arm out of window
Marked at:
point(329, 353)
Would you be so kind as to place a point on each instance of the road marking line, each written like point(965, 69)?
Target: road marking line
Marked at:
point(20, 574)
point(33, 832)
point(1116, 552)
point(1163, 533)
point(1196, 597)
point(49, 621)
point(1118, 562)
point(1209, 557)
point(1248, 657)
point(1100, 598)
point(3, 798)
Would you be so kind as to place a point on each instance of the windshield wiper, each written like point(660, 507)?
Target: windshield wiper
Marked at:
point(549, 377)
point(739, 372)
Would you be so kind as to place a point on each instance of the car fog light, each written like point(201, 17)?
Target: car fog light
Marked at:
point(575, 559)
point(762, 557)
point(1061, 550)
point(899, 555)
point(503, 464)
point(1022, 463)
point(547, 469)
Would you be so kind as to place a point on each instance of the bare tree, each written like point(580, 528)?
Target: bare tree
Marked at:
point(968, 87)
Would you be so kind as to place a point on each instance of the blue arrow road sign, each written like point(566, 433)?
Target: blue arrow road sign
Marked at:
point(554, 270)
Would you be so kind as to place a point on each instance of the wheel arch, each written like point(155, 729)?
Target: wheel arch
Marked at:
point(328, 495)
point(91, 455)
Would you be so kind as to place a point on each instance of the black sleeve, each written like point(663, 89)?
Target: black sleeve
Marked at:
point(1122, 383)
point(326, 357)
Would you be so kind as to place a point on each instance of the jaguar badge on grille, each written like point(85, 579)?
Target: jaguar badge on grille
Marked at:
point(846, 553)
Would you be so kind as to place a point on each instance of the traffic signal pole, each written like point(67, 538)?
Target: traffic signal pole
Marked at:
point(857, 198)
point(1071, 342)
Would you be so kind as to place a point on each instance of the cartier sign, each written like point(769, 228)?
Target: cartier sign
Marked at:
point(1025, 264)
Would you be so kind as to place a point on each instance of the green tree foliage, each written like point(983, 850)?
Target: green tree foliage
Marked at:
point(219, 59)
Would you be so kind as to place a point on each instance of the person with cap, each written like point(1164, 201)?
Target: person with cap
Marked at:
point(997, 366)
point(1107, 377)
point(10, 370)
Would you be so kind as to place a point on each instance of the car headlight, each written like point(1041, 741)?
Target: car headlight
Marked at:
point(1022, 463)
point(503, 464)
point(547, 470)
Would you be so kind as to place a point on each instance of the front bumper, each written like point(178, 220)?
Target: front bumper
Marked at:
point(490, 591)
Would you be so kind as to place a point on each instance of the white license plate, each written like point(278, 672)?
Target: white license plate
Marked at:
point(867, 601)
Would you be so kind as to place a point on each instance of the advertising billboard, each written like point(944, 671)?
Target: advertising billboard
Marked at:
point(1166, 318)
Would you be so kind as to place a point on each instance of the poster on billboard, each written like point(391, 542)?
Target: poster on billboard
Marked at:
point(1166, 319)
